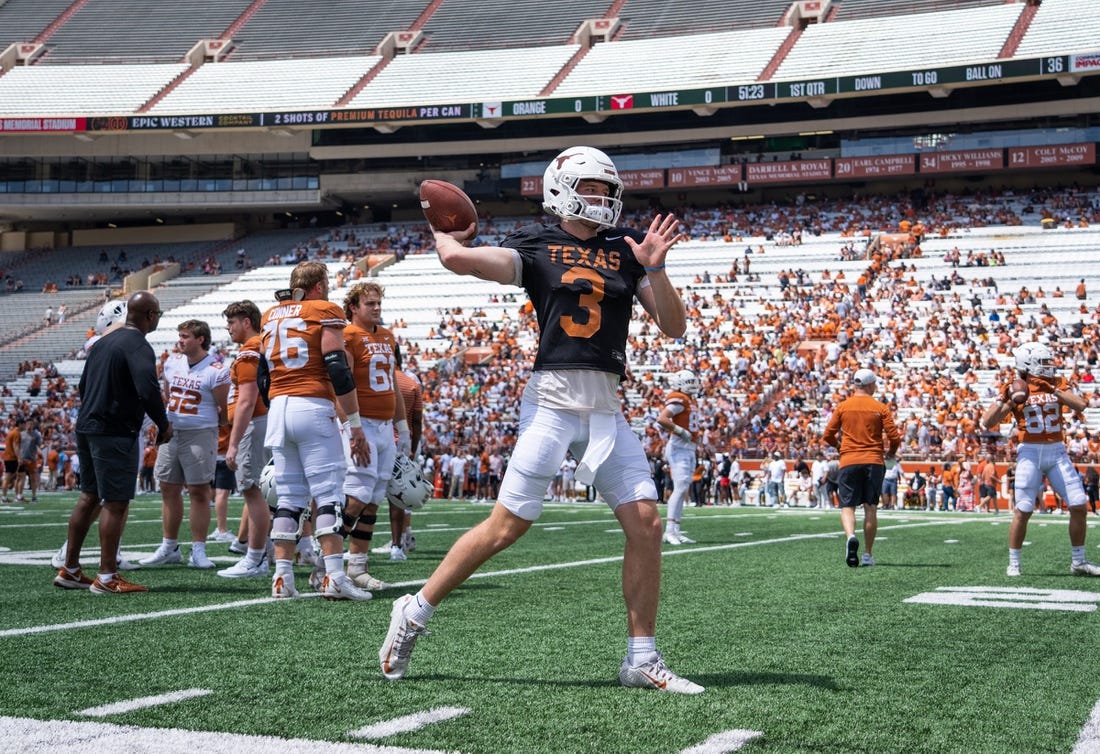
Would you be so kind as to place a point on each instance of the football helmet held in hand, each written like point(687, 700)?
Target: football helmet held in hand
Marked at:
point(407, 488)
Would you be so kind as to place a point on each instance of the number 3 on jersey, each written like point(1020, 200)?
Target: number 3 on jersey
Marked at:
point(588, 301)
point(283, 341)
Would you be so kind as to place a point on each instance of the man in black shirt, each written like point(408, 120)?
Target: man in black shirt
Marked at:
point(582, 275)
point(118, 387)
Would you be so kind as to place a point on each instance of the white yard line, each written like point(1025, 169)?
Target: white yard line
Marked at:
point(49, 628)
point(1088, 741)
point(409, 723)
point(142, 702)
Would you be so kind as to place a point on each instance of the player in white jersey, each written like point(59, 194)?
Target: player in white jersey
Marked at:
point(195, 392)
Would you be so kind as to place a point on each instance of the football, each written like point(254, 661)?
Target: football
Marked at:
point(446, 206)
point(1019, 391)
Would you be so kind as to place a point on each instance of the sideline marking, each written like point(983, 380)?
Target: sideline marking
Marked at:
point(479, 575)
point(1088, 741)
point(409, 723)
point(1016, 597)
point(27, 734)
point(726, 741)
point(142, 702)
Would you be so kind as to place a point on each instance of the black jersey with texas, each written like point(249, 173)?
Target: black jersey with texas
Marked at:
point(582, 292)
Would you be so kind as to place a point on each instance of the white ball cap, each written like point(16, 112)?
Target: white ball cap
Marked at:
point(864, 377)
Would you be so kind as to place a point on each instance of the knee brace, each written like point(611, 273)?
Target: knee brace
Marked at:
point(327, 521)
point(286, 525)
point(368, 519)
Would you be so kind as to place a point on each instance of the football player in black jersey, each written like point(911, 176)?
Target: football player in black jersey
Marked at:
point(582, 276)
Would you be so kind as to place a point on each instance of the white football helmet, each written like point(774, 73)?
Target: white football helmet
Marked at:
point(407, 488)
point(113, 312)
point(267, 484)
point(559, 187)
point(1034, 359)
point(685, 381)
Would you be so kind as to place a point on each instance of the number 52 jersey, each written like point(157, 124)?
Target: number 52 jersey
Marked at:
point(191, 391)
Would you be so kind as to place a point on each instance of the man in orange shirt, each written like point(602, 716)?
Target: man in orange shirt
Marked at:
point(11, 457)
point(860, 427)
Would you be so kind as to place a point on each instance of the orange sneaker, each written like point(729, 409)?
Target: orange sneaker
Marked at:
point(117, 585)
point(73, 580)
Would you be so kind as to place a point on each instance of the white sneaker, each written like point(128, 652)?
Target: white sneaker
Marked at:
point(1084, 568)
point(242, 569)
point(283, 589)
point(684, 540)
point(408, 542)
point(656, 675)
point(380, 549)
point(671, 538)
point(58, 559)
point(344, 589)
point(124, 564)
point(1013, 569)
point(163, 556)
point(308, 558)
point(396, 553)
point(867, 559)
point(368, 582)
point(199, 560)
point(400, 639)
point(221, 536)
point(238, 548)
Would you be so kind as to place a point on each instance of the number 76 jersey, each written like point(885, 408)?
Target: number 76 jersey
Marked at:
point(291, 336)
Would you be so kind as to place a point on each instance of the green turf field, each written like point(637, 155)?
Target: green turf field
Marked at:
point(932, 650)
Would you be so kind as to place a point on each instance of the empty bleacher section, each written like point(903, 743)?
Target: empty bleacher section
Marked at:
point(674, 62)
point(900, 42)
point(339, 27)
point(266, 85)
point(83, 89)
point(23, 20)
point(644, 19)
point(849, 10)
point(1061, 26)
point(477, 24)
point(147, 31)
point(453, 77)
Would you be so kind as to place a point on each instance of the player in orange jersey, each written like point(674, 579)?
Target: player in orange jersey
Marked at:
point(372, 348)
point(303, 342)
point(1041, 451)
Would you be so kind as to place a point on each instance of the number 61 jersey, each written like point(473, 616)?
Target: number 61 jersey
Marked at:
point(583, 294)
point(1039, 420)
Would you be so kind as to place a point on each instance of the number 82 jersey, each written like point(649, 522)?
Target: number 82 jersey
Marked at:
point(1039, 420)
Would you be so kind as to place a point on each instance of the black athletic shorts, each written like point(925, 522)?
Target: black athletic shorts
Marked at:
point(108, 465)
point(224, 479)
point(861, 484)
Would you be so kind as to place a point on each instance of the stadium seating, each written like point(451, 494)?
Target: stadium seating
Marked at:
point(849, 10)
point(23, 20)
point(456, 24)
point(1059, 27)
point(648, 19)
point(114, 29)
point(455, 77)
point(267, 85)
point(900, 42)
point(661, 64)
point(83, 89)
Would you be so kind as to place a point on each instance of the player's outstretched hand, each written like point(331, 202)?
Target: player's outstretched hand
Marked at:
point(663, 234)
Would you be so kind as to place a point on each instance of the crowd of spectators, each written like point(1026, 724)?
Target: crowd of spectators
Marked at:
point(771, 350)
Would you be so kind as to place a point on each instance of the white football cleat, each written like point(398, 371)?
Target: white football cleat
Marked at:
point(396, 553)
point(283, 589)
point(199, 560)
point(656, 675)
point(670, 537)
point(400, 639)
point(683, 539)
point(1084, 568)
point(343, 589)
point(867, 560)
point(368, 582)
point(1013, 570)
